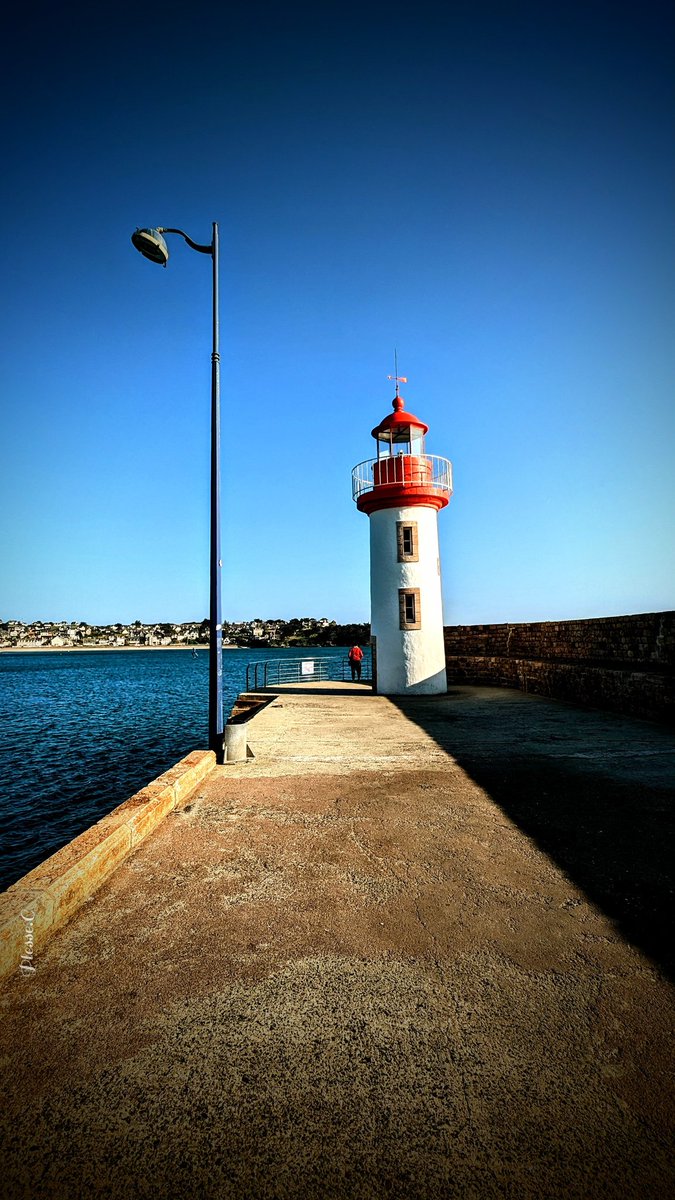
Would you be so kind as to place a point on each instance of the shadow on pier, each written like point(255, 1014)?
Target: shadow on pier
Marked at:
point(593, 790)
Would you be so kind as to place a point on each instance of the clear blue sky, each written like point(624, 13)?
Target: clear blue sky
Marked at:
point(488, 187)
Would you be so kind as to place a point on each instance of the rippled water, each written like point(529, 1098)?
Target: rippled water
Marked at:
point(80, 732)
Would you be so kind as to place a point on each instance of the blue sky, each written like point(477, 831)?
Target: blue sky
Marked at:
point(487, 187)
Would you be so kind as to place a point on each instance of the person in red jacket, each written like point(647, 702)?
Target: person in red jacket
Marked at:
point(355, 657)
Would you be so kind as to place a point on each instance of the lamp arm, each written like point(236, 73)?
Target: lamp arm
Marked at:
point(194, 245)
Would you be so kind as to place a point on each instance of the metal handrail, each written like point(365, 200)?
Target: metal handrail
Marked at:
point(270, 672)
point(416, 470)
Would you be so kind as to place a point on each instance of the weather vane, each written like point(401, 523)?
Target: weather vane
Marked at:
point(398, 378)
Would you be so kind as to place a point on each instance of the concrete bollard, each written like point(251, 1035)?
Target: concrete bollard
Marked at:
point(235, 743)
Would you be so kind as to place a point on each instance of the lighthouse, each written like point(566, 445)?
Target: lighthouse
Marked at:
point(403, 491)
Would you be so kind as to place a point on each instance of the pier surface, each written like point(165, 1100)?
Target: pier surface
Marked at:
point(416, 948)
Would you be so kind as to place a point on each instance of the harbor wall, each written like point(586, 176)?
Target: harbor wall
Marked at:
point(625, 664)
point(37, 905)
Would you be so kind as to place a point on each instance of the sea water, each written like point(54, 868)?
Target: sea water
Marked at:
point(82, 731)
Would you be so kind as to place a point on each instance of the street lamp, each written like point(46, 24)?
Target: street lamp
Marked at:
point(151, 245)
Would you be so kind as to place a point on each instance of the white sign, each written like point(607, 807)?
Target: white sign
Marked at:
point(308, 667)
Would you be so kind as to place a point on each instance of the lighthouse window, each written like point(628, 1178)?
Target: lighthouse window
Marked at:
point(409, 608)
point(406, 537)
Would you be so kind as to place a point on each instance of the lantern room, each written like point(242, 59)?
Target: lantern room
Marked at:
point(400, 448)
point(399, 433)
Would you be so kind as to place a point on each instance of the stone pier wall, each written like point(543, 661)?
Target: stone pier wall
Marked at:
point(621, 663)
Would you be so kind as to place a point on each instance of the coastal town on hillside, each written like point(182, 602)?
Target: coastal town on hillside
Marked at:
point(73, 635)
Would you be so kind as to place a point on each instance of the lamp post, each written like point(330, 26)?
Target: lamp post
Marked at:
point(151, 245)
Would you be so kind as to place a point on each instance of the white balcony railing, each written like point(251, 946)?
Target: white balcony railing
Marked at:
point(415, 470)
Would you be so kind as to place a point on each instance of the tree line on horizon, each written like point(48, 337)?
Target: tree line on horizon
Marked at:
point(296, 632)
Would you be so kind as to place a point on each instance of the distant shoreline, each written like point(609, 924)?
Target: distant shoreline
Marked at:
point(123, 649)
point(101, 649)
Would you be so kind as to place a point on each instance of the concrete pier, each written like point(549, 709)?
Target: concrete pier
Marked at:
point(410, 949)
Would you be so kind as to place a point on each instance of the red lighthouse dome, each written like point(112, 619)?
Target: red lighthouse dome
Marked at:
point(397, 426)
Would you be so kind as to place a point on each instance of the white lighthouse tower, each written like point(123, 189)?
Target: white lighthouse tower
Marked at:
point(402, 491)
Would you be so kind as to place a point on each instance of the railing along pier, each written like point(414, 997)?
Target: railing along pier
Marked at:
point(271, 672)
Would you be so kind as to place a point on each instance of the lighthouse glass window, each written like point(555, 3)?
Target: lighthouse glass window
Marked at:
point(409, 613)
point(384, 445)
point(406, 541)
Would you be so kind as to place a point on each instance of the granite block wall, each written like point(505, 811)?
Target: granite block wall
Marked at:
point(622, 663)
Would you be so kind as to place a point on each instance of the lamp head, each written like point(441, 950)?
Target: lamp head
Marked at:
point(151, 245)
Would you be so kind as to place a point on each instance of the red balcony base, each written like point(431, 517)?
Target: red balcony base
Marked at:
point(401, 495)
